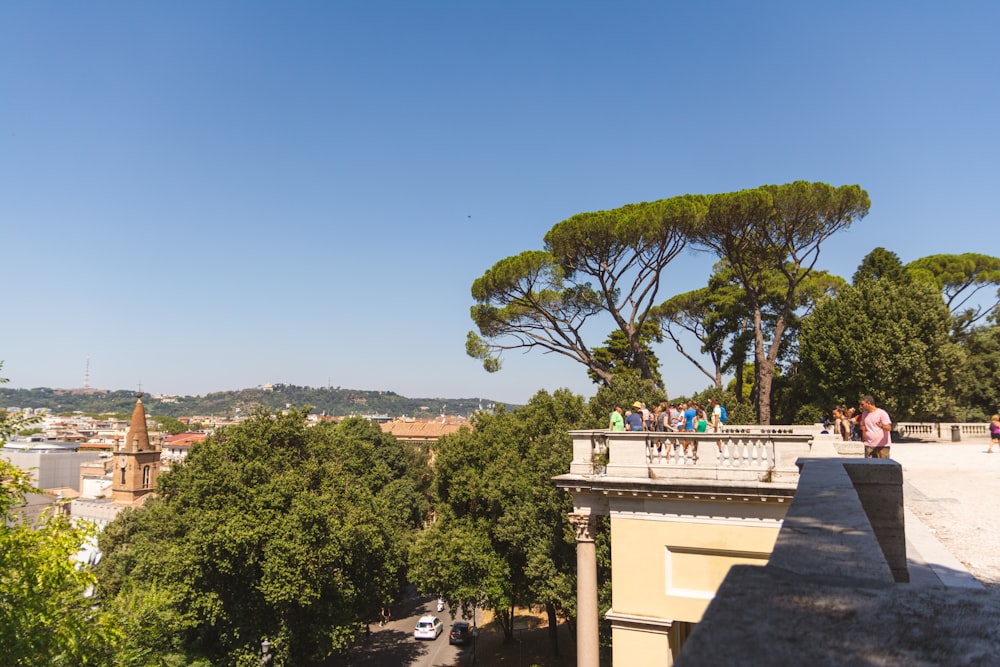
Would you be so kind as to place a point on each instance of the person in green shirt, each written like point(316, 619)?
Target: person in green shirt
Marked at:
point(617, 422)
point(701, 421)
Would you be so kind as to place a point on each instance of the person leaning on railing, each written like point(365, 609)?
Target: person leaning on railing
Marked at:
point(616, 421)
point(661, 422)
point(633, 418)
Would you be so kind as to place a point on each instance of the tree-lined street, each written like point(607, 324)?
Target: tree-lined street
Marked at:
point(392, 644)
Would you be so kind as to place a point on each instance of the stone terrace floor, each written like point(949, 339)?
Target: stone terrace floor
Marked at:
point(951, 492)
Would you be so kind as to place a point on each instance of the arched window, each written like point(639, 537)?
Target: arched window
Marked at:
point(145, 477)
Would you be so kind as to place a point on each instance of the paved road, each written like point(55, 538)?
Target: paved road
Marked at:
point(393, 645)
point(952, 496)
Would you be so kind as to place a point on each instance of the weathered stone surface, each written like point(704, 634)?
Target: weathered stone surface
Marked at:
point(826, 529)
point(879, 485)
point(827, 596)
point(765, 616)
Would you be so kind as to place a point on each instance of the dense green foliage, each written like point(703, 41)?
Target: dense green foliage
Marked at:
point(891, 334)
point(887, 338)
point(269, 529)
point(770, 237)
point(978, 383)
point(170, 425)
point(761, 295)
point(881, 264)
point(603, 263)
point(611, 264)
point(719, 317)
point(502, 537)
point(624, 389)
point(45, 615)
point(616, 354)
point(960, 278)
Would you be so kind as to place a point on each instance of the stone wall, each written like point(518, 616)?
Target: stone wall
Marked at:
point(830, 593)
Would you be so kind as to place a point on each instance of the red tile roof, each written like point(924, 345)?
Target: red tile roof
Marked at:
point(183, 439)
point(426, 431)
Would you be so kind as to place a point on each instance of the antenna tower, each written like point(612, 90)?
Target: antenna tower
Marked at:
point(86, 375)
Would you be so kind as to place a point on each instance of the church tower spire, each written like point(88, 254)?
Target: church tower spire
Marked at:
point(136, 462)
point(137, 436)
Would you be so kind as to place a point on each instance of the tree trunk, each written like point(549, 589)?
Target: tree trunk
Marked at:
point(763, 371)
point(739, 356)
point(639, 354)
point(553, 628)
point(766, 361)
point(506, 618)
point(740, 366)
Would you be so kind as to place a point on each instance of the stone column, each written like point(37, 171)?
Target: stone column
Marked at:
point(587, 634)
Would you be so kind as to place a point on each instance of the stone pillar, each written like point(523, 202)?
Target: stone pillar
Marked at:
point(588, 646)
point(879, 484)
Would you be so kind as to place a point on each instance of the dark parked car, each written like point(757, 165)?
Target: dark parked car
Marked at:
point(460, 633)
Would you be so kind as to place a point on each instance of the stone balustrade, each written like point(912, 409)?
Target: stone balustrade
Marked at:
point(761, 454)
point(943, 430)
point(736, 453)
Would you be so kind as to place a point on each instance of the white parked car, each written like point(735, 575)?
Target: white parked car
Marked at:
point(428, 627)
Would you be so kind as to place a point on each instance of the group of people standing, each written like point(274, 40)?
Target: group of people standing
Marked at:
point(868, 423)
point(690, 417)
point(665, 417)
point(872, 424)
point(847, 423)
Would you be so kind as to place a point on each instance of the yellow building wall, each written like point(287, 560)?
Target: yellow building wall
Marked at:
point(641, 649)
point(670, 569)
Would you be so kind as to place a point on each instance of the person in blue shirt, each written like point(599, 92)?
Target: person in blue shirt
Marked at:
point(690, 412)
point(633, 420)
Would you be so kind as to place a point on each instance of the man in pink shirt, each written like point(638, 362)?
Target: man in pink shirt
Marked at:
point(877, 425)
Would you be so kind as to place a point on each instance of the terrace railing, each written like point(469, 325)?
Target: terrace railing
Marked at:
point(763, 454)
point(943, 430)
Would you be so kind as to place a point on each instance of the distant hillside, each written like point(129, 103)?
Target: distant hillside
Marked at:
point(338, 402)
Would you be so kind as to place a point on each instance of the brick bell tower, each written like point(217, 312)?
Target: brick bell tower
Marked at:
point(136, 462)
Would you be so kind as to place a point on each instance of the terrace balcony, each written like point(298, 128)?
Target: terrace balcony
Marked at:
point(735, 454)
point(683, 508)
point(784, 525)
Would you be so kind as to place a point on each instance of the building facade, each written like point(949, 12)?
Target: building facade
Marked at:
point(678, 525)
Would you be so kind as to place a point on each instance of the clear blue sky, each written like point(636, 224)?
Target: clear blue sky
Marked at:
point(200, 196)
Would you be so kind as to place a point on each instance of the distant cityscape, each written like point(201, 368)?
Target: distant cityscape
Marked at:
point(76, 455)
point(326, 401)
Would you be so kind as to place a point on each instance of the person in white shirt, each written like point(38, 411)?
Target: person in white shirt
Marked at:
point(715, 421)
